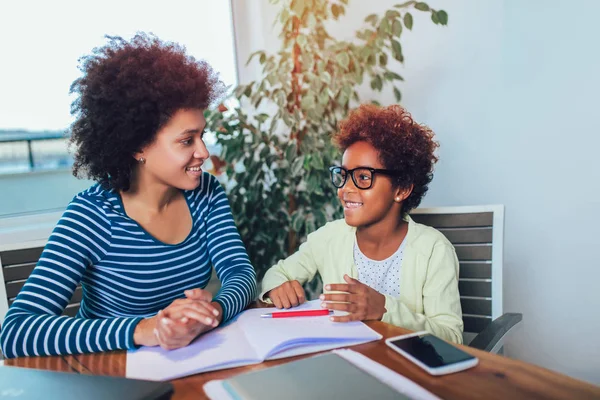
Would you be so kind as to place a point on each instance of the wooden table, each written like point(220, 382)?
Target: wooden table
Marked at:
point(495, 377)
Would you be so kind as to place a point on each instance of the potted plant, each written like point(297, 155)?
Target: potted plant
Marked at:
point(276, 143)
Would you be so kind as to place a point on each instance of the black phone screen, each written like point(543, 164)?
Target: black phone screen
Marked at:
point(431, 351)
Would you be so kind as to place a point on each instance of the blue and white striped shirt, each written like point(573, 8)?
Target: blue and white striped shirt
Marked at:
point(125, 273)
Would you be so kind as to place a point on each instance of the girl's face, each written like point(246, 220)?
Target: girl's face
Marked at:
point(366, 207)
point(176, 155)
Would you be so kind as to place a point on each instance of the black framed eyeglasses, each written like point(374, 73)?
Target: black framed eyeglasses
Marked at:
point(361, 176)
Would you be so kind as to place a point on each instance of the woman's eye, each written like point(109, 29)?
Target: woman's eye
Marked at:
point(186, 142)
point(364, 177)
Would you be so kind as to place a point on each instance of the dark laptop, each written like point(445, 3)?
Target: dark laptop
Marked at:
point(25, 384)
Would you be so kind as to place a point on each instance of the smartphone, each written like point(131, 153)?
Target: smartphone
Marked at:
point(431, 353)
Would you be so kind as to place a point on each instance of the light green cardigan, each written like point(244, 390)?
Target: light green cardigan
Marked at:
point(429, 298)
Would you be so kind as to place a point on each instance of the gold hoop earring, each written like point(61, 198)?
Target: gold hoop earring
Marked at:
point(142, 160)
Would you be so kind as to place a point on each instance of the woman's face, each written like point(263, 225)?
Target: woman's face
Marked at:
point(176, 155)
point(365, 207)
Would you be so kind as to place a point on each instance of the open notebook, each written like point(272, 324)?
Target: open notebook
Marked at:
point(248, 339)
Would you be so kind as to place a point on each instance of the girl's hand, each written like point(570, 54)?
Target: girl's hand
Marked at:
point(359, 300)
point(288, 294)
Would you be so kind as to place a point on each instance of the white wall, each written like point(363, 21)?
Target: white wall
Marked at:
point(510, 89)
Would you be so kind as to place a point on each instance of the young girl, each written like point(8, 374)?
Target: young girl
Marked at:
point(377, 263)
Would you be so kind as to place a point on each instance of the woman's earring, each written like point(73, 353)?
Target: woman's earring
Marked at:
point(142, 160)
point(397, 199)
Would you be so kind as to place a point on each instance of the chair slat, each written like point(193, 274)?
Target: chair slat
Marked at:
point(455, 220)
point(476, 270)
point(18, 271)
point(23, 256)
point(13, 288)
point(475, 324)
point(470, 235)
point(475, 288)
point(476, 306)
point(474, 253)
point(71, 310)
point(76, 298)
point(77, 295)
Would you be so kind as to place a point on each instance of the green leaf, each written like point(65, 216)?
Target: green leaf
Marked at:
point(335, 10)
point(264, 152)
point(390, 75)
point(422, 6)
point(443, 17)
point(434, 18)
point(317, 161)
point(392, 14)
point(397, 28)
point(376, 83)
point(239, 91)
point(384, 27)
point(320, 217)
point(301, 40)
point(262, 117)
point(383, 59)
point(310, 226)
point(311, 21)
point(262, 58)
point(397, 94)
point(291, 151)
point(297, 166)
point(272, 79)
point(280, 98)
point(308, 101)
point(371, 60)
point(343, 59)
point(298, 7)
point(297, 221)
point(408, 21)
point(285, 15)
point(372, 19)
point(287, 119)
point(324, 97)
point(254, 54)
point(397, 50)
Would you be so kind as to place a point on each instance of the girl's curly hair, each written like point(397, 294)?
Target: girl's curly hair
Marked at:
point(128, 91)
point(403, 145)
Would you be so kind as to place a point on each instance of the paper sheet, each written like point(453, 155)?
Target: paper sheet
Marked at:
point(248, 340)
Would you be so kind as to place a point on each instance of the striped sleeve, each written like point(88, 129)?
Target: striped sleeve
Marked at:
point(228, 255)
point(33, 324)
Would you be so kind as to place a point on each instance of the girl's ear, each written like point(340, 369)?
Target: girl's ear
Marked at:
point(402, 194)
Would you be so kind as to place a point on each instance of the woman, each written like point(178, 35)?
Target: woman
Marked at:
point(377, 263)
point(143, 240)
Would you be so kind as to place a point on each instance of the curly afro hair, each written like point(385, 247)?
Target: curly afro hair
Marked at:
point(403, 145)
point(128, 91)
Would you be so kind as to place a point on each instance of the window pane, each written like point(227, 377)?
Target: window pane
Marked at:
point(44, 40)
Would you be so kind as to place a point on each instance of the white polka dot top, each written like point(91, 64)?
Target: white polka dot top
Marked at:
point(384, 275)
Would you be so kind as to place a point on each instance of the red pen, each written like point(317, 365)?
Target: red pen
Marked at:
point(304, 313)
